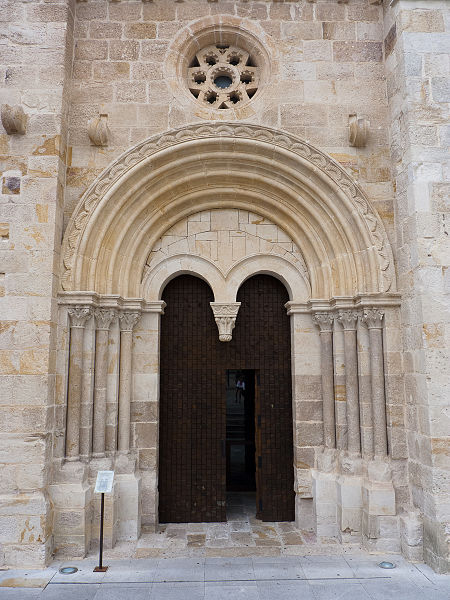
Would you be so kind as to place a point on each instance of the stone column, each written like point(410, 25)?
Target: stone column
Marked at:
point(373, 317)
point(348, 319)
point(325, 321)
point(78, 317)
point(103, 319)
point(127, 321)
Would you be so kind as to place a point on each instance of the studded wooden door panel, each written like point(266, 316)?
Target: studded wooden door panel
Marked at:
point(192, 475)
point(261, 341)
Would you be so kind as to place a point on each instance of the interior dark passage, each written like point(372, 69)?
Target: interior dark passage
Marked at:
point(240, 435)
point(213, 438)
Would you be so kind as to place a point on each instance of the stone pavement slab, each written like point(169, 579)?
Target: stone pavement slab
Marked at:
point(321, 577)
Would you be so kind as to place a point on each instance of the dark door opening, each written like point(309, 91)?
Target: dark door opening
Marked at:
point(202, 458)
point(240, 432)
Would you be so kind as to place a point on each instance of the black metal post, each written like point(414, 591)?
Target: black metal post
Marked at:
point(100, 567)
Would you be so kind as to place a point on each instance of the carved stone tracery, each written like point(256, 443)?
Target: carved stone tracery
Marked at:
point(222, 76)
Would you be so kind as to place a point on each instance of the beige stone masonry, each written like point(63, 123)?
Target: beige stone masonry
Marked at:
point(273, 181)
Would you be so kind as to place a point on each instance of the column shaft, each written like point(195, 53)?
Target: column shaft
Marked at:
point(101, 366)
point(329, 428)
point(127, 321)
point(126, 343)
point(78, 316)
point(74, 392)
point(103, 321)
point(378, 397)
point(373, 318)
point(348, 318)
point(325, 322)
point(351, 387)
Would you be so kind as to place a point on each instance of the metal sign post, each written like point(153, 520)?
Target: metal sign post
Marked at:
point(103, 485)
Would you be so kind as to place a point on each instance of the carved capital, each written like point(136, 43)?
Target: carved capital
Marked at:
point(225, 316)
point(348, 319)
point(324, 320)
point(13, 119)
point(373, 318)
point(98, 130)
point(79, 315)
point(358, 131)
point(104, 317)
point(127, 320)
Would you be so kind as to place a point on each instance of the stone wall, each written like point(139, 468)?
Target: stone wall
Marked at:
point(417, 41)
point(325, 62)
point(66, 63)
point(35, 66)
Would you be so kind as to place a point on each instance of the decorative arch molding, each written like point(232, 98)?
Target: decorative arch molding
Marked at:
point(225, 286)
point(167, 177)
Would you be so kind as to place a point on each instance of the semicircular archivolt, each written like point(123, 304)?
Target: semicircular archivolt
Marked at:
point(209, 166)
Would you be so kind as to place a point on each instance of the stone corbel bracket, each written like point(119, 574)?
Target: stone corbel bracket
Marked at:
point(14, 120)
point(225, 314)
point(358, 131)
point(98, 130)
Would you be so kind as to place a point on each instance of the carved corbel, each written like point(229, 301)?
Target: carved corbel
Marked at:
point(225, 316)
point(14, 120)
point(358, 131)
point(98, 130)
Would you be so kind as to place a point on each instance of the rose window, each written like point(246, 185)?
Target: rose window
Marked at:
point(223, 76)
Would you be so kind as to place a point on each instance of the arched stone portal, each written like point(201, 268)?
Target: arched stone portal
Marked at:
point(225, 202)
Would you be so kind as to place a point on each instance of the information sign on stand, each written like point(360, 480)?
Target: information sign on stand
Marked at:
point(103, 485)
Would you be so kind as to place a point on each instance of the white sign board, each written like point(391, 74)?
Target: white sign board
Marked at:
point(104, 482)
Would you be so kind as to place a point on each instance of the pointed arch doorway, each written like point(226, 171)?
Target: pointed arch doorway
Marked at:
point(195, 443)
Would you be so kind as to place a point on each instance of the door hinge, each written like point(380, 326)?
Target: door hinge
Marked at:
point(259, 462)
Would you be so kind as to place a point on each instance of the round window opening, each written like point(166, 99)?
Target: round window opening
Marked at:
point(222, 76)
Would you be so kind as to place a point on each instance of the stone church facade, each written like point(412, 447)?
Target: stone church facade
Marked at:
point(144, 141)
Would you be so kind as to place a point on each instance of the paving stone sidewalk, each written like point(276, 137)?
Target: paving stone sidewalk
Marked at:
point(318, 577)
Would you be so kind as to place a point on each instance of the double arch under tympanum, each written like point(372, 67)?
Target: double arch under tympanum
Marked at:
point(225, 165)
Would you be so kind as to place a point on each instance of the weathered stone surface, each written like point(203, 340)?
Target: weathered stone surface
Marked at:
point(318, 62)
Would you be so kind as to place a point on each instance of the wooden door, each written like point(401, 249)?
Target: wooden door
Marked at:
point(192, 478)
point(261, 341)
